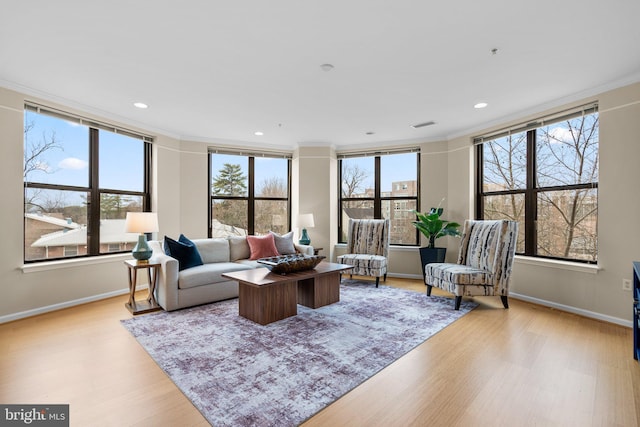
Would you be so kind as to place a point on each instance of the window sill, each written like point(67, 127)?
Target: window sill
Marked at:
point(71, 263)
point(562, 265)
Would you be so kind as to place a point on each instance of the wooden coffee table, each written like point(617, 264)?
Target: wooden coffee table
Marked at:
point(265, 297)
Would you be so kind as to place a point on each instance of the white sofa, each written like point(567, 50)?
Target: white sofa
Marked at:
point(204, 283)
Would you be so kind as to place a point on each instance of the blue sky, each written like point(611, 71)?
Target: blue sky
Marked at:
point(394, 168)
point(121, 157)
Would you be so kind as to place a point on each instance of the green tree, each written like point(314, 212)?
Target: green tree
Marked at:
point(230, 181)
point(115, 206)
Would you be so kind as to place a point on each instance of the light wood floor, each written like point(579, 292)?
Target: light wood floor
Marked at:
point(526, 366)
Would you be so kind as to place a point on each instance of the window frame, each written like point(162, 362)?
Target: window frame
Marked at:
point(250, 198)
point(531, 190)
point(378, 199)
point(93, 189)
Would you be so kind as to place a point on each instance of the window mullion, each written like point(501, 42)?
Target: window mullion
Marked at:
point(93, 210)
point(340, 201)
point(251, 223)
point(377, 202)
point(148, 152)
point(479, 182)
point(531, 197)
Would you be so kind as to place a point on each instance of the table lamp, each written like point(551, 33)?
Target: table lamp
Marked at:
point(304, 221)
point(141, 222)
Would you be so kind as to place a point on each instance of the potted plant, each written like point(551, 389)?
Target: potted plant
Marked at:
point(433, 227)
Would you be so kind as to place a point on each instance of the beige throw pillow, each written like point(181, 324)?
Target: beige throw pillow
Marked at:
point(238, 248)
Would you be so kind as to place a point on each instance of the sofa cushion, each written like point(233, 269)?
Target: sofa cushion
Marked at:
point(208, 274)
point(184, 251)
point(284, 243)
point(238, 248)
point(213, 250)
point(262, 246)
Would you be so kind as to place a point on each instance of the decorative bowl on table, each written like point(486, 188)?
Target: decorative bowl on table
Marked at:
point(285, 264)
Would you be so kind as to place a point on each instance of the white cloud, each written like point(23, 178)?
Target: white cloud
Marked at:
point(560, 134)
point(73, 163)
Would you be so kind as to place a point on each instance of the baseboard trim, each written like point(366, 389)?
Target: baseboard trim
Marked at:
point(66, 304)
point(574, 310)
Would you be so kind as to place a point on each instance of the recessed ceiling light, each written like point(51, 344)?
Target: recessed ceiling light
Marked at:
point(258, 133)
point(326, 67)
point(480, 105)
point(140, 105)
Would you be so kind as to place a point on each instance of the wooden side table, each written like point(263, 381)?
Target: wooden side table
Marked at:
point(150, 304)
point(316, 250)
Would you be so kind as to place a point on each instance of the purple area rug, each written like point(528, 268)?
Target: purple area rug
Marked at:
point(239, 373)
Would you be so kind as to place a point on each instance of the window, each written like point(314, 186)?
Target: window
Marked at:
point(70, 251)
point(80, 179)
point(545, 176)
point(381, 186)
point(249, 194)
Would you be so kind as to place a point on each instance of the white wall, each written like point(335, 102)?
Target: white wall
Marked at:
point(194, 191)
point(317, 190)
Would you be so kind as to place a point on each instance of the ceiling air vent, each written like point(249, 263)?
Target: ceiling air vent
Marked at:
point(425, 124)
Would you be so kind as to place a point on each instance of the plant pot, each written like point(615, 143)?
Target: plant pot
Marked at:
point(430, 255)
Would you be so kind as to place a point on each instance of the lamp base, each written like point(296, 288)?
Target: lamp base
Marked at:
point(304, 239)
point(142, 252)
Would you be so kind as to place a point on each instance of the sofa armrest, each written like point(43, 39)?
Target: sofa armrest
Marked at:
point(167, 285)
point(304, 249)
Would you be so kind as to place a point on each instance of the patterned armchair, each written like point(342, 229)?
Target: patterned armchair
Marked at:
point(367, 247)
point(484, 263)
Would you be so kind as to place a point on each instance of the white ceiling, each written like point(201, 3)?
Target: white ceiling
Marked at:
point(217, 71)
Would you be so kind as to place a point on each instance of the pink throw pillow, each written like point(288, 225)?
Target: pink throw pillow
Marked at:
point(262, 246)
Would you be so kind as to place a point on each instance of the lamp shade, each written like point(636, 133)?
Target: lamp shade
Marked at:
point(141, 222)
point(305, 221)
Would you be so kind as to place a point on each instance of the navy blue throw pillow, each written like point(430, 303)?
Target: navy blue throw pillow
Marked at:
point(184, 250)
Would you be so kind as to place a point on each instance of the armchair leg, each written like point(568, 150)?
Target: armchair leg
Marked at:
point(385, 277)
point(458, 301)
point(505, 301)
point(429, 290)
point(377, 281)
